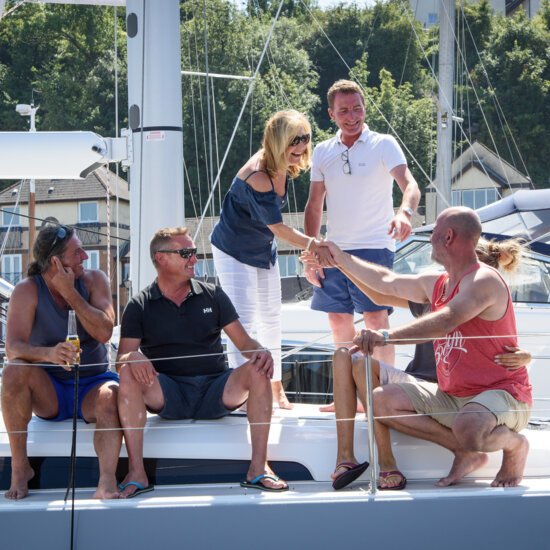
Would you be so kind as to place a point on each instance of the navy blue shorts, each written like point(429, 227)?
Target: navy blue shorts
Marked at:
point(64, 390)
point(197, 397)
point(339, 295)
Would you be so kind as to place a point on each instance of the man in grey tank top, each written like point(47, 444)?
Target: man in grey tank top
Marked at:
point(37, 377)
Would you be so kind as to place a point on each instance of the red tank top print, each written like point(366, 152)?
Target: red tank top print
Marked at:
point(466, 366)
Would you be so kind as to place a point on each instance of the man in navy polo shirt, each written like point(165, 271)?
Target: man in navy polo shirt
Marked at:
point(172, 361)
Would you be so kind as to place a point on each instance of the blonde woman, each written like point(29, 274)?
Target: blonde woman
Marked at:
point(243, 241)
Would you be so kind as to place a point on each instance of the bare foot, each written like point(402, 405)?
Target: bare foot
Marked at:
point(464, 463)
point(107, 489)
point(330, 408)
point(19, 487)
point(513, 463)
point(279, 396)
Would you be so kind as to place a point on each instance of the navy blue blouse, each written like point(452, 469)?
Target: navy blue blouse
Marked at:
point(242, 230)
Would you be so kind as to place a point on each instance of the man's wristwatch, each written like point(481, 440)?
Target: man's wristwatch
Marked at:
point(386, 336)
point(407, 210)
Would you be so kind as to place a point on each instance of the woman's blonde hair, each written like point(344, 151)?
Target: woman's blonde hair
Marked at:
point(505, 255)
point(279, 131)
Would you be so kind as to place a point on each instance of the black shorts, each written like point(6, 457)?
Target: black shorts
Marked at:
point(197, 397)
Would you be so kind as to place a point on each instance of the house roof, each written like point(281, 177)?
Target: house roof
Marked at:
point(92, 187)
point(496, 168)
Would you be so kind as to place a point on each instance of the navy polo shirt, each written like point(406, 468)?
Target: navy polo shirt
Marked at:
point(169, 331)
point(242, 231)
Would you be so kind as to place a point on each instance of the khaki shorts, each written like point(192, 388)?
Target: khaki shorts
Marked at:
point(393, 375)
point(427, 398)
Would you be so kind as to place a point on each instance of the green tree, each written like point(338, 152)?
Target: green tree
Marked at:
point(516, 70)
point(65, 54)
point(286, 80)
point(395, 110)
point(387, 32)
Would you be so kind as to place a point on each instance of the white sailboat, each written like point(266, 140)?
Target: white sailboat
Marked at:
point(197, 502)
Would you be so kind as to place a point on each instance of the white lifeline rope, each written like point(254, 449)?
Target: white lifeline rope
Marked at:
point(294, 350)
point(238, 423)
point(296, 421)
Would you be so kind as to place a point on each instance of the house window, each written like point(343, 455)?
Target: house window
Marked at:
point(11, 268)
point(93, 260)
point(125, 266)
point(10, 216)
point(87, 212)
point(289, 265)
point(475, 198)
point(205, 268)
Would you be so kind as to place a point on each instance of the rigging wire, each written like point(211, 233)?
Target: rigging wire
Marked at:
point(495, 97)
point(251, 85)
point(12, 218)
point(12, 9)
point(50, 221)
point(208, 103)
point(117, 198)
point(196, 140)
point(461, 53)
point(216, 141)
point(201, 105)
point(376, 107)
point(432, 70)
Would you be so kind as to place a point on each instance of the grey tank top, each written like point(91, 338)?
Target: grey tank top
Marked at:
point(50, 327)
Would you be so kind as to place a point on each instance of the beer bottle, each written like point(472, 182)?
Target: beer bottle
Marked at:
point(72, 334)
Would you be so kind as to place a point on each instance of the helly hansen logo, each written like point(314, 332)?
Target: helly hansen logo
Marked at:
point(207, 310)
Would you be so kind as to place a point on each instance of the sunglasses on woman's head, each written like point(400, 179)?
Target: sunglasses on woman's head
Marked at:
point(304, 139)
point(183, 252)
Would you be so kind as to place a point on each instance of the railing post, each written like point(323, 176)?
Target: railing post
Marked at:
point(373, 455)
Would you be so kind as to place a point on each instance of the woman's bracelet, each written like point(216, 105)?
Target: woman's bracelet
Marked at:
point(309, 243)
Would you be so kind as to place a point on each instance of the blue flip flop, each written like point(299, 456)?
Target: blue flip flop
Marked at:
point(256, 483)
point(140, 489)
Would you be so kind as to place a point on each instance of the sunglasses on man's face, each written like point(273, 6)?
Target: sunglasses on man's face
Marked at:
point(303, 139)
point(183, 252)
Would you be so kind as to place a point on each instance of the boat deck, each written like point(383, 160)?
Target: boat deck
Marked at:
point(309, 515)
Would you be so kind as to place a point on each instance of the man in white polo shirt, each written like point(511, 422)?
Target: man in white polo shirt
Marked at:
point(355, 171)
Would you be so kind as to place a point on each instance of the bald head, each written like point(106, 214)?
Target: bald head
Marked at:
point(463, 221)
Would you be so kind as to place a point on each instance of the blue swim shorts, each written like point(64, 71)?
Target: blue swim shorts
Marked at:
point(339, 295)
point(65, 392)
point(197, 397)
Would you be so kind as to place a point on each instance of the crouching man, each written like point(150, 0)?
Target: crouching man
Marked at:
point(477, 405)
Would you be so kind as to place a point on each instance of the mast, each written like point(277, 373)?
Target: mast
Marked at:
point(155, 119)
point(445, 105)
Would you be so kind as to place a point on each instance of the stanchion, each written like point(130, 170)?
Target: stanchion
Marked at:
point(71, 486)
point(373, 458)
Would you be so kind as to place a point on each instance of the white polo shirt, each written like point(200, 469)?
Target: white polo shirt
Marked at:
point(359, 204)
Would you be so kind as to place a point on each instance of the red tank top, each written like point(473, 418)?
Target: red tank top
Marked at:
point(465, 366)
